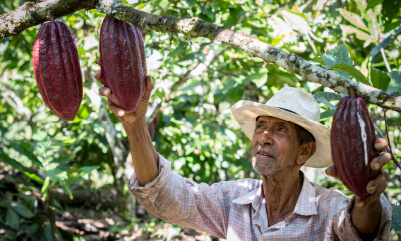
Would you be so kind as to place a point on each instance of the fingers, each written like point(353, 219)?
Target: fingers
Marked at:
point(378, 184)
point(374, 188)
point(149, 87)
point(115, 109)
point(98, 74)
point(380, 161)
point(104, 91)
point(331, 171)
point(380, 144)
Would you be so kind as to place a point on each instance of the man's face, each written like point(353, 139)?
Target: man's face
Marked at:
point(274, 145)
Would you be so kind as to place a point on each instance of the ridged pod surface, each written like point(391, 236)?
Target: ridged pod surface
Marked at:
point(123, 62)
point(352, 144)
point(57, 70)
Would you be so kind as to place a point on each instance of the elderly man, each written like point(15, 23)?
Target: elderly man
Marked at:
point(284, 205)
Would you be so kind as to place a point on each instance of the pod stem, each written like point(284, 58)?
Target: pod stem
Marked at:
point(352, 92)
point(51, 18)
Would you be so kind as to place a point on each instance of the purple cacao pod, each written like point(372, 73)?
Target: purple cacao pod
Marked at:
point(123, 62)
point(57, 70)
point(352, 144)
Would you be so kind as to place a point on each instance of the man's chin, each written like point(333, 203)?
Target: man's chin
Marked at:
point(266, 170)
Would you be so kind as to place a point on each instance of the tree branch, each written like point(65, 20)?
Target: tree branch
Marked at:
point(31, 14)
point(195, 27)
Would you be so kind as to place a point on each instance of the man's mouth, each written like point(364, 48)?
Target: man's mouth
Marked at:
point(265, 154)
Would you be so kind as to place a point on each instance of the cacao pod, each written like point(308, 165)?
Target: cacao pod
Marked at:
point(123, 62)
point(57, 70)
point(352, 144)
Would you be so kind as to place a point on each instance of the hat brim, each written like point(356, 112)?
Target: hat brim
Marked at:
point(245, 113)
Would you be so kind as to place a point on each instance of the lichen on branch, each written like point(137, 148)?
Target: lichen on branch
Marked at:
point(31, 14)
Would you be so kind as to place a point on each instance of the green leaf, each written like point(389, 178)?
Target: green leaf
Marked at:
point(379, 79)
point(373, 3)
point(353, 18)
point(396, 219)
point(326, 103)
point(12, 219)
point(337, 55)
point(9, 161)
point(351, 71)
point(67, 187)
point(395, 83)
point(48, 232)
point(83, 112)
point(318, 59)
point(390, 9)
point(57, 174)
point(31, 229)
point(359, 33)
point(4, 204)
point(89, 169)
point(327, 114)
point(327, 95)
point(398, 120)
point(45, 187)
point(22, 210)
point(23, 149)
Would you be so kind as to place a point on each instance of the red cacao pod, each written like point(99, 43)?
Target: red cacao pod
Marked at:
point(123, 62)
point(352, 144)
point(57, 70)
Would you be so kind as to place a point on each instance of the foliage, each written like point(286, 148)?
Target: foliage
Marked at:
point(196, 131)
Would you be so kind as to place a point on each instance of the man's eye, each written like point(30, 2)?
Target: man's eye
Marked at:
point(260, 126)
point(281, 129)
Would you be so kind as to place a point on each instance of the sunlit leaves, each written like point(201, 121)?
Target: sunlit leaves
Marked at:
point(353, 18)
point(379, 79)
point(337, 55)
point(395, 83)
point(351, 71)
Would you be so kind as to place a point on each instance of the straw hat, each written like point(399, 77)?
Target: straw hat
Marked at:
point(294, 105)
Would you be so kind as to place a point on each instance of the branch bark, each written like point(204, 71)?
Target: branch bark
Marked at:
point(31, 14)
point(195, 27)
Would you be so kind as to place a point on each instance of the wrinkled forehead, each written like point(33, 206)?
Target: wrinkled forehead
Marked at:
point(270, 118)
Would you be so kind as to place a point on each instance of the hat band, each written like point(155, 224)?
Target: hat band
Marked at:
point(287, 110)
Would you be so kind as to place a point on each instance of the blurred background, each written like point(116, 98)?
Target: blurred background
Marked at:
point(67, 180)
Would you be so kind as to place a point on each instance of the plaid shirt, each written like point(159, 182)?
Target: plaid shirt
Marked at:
point(235, 210)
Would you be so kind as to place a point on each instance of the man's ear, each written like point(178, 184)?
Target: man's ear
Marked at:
point(307, 150)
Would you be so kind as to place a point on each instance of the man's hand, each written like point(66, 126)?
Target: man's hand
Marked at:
point(144, 156)
point(122, 115)
point(377, 185)
point(366, 211)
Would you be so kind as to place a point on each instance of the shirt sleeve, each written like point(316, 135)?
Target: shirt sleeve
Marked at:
point(344, 229)
point(181, 201)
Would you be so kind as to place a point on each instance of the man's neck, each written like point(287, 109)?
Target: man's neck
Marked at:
point(281, 192)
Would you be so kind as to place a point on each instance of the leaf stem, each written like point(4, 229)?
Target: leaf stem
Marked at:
point(385, 60)
point(397, 163)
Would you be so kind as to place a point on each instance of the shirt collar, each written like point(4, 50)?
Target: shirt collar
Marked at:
point(253, 197)
point(306, 204)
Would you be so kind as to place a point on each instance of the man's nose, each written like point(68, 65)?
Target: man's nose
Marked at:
point(266, 138)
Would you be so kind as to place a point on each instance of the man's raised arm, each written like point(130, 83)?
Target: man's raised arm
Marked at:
point(144, 155)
